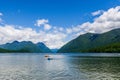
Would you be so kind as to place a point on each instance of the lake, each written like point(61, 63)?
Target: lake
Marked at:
point(87, 66)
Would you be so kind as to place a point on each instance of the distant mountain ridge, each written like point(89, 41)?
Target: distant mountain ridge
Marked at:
point(54, 50)
point(90, 42)
point(25, 46)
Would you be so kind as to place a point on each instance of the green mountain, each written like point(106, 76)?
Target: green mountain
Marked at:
point(15, 51)
point(4, 50)
point(25, 46)
point(94, 43)
point(110, 48)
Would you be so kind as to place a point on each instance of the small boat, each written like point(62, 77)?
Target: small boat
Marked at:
point(49, 58)
point(46, 55)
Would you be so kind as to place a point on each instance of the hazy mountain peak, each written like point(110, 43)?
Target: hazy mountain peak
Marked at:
point(26, 46)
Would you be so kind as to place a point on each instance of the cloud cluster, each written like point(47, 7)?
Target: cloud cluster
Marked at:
point(107, 21)
point(97, 12)
point(55, 37)
point(43, 23)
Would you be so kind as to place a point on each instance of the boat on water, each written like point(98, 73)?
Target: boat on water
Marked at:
point(47, 56)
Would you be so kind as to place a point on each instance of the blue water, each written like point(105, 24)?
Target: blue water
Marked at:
point(87, 66)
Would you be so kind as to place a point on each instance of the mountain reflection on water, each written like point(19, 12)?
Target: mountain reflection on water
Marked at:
point(62, 67)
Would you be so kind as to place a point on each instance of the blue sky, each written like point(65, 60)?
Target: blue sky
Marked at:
point(55, 14)
point(59, 12)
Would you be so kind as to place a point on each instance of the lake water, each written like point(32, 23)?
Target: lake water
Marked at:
point(62, 67)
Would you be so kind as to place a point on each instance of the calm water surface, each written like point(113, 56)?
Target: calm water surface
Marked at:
point(62, 67)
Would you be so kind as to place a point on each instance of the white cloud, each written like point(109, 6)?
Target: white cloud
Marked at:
point(43, 23)
point(61, 29)
point(69, 30)
point(47, 26)
point(54, 39)
point(97, 12)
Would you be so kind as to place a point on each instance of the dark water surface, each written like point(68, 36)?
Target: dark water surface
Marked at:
point(62, 67)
